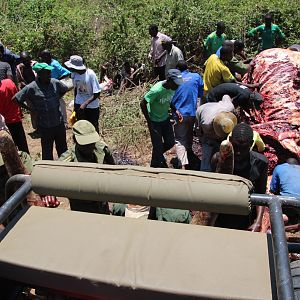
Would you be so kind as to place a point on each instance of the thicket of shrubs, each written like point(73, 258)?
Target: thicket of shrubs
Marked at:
point(101, 30)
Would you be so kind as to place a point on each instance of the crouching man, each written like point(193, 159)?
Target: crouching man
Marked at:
point(250, 165)
point(88, 148)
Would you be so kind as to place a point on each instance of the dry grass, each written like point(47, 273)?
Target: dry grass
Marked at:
point(123, 126)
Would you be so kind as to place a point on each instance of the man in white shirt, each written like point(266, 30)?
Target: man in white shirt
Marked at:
point(86, 91)
point(173, 56)
point(157, 54)
point(215, 120)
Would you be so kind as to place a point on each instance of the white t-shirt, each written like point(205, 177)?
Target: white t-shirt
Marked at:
point(206, 113)
point(86, 85)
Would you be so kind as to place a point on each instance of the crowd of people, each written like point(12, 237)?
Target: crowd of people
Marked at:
point(206, 106)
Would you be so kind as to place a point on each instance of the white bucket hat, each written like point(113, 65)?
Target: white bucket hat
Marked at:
point(75, 62)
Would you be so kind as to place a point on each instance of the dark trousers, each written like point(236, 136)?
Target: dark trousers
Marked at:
point(162, 138)
point(18, 134)
point(160, 72)
point(89, 114)
point(89, 206)
point(55, 134)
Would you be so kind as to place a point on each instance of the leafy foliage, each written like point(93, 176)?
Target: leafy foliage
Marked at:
point(102, 30)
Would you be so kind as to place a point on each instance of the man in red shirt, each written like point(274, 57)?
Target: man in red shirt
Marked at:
point(12, 114)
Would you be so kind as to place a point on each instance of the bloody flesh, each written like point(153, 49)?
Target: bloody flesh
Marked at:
point(278, 121)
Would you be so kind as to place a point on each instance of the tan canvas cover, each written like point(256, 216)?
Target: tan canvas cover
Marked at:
point(144, 186)
point(109, 257)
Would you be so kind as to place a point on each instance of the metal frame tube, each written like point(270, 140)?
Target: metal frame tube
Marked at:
point(9, 206)
point(12, 182)
point(284, 281)
point(282, 265)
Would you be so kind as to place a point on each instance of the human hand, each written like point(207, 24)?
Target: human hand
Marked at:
point(179, 116)
point(255, 227)
point(50, 201)
point(157, 61)
point(83, 105)
point(257, 85)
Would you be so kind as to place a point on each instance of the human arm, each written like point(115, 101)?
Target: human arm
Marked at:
point(254, 31)
point(280, 34)
point(160, 57)
point(260, 188)
point(89, 100)
point(150, 55)
point(180, 56)
point(249, 85)
point(21, 97)
point(239, 67)
point(292, 228)
point(200, 87)
point(176, 111)
point(143, 105)
point(20, 78)
point(207, 43)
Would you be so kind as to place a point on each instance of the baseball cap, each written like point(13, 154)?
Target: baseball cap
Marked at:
point(223, 123)
point(175, 76)
point(42, 66)
point(85, 132)
point(75, 62)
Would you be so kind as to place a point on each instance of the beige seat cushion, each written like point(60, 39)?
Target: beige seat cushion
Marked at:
point(171, 188)
point(119, 258)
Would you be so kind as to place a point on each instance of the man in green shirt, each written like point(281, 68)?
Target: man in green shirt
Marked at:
point(155, 107)
point(238, 62)
point(215, 40)
point(268, 32)
point(88, 148)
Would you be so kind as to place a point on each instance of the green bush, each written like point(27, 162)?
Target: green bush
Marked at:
point(189, 22)
point(102, 30)
point(64, 27)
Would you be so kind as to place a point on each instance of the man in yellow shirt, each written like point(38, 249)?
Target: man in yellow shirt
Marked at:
point(215, 70)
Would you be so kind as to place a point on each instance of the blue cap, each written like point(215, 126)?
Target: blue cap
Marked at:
point(175, 76)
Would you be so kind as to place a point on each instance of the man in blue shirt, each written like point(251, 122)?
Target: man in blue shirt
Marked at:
point(285, 182)
point(58, 72)
point(185, 101)
point(10, 58)
point(286, 179)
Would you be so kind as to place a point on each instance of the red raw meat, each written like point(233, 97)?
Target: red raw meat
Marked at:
point(277, 70)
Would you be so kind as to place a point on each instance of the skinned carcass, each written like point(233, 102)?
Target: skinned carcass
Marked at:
point(278, 121)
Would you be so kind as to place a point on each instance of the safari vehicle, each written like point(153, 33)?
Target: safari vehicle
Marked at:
point(91, 256)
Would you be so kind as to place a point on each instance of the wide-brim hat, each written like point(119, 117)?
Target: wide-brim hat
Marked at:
point(223, 123)
point(85, 133)
point(75, 62)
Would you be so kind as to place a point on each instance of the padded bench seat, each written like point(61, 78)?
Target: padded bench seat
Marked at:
point(107, 257)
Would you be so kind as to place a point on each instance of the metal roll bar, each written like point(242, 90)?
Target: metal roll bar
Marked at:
point(275, 203)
